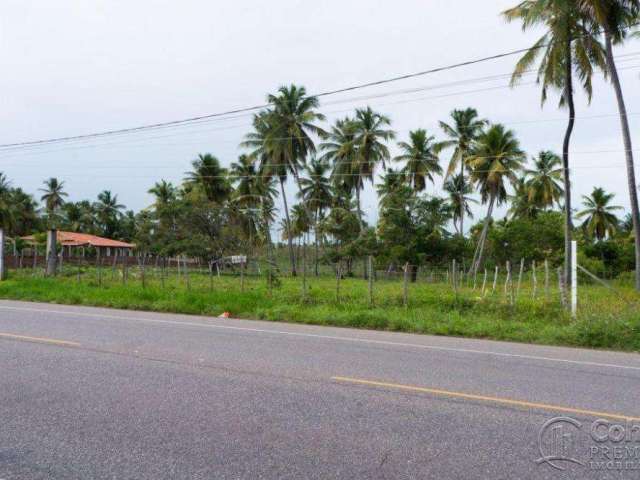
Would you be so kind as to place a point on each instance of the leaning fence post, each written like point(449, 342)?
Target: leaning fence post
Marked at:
point(484, 282)
point(495, 280)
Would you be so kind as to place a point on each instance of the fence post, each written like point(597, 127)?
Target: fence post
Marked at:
point(520, 277)
point(3, 272)
point(495, 281)
point(405, 286)
point(507, 279)
point(304, 271)
point(563, 297)
point(370, 280)
point(241, 276)
point(534, 279)
point(484, 282)
point(574, 278)
point(338, 274)
point(546, 280)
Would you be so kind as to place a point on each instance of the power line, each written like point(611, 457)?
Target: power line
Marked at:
point(262, 106)
point(13, 151)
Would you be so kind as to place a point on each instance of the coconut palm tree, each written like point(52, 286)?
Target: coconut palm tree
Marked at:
point(421, 157)
point(208, 175)
point(53, 197)
point(543, 183)
point(614, 18)
point(464, 130)
point(459, 191)
point(599, 219)
point(522, 203)
point(272, 164)
point(341, 151)
point(568, 46)
point(108, 211)
point(392, 182)
point(164, 192)
point(495, 160)
point(317, 195)
point(370, 133)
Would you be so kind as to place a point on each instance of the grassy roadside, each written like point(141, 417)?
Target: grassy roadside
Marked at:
point(606, 320)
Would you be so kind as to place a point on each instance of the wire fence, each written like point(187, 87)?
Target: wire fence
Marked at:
point(519, 283)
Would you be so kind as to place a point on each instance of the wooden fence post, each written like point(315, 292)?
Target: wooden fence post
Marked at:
point(370, 280)
point(484, 282)
point(520, 276)
point(495, 281)
point(405, 286)
point(338, 275)
point(534, 279)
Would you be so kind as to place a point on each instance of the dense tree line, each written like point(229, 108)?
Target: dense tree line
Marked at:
point(218, 211)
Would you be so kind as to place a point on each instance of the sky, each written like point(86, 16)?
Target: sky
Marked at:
point(74, 67)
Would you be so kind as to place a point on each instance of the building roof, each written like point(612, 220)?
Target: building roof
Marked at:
point(73, 239)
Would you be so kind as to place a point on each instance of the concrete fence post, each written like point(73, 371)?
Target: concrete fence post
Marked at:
point(52, 253)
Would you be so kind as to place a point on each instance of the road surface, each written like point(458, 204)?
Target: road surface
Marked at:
point(93, 393)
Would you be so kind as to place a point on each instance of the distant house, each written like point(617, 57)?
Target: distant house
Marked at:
point(76, 242)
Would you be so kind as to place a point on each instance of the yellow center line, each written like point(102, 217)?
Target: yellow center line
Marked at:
point(51, 341)
point(484, 398)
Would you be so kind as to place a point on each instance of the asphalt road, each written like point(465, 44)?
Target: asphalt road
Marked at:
point(94, 394)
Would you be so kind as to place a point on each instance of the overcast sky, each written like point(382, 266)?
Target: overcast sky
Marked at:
point(73, 67)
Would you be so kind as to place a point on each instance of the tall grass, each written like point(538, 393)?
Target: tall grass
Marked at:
point(606, 319)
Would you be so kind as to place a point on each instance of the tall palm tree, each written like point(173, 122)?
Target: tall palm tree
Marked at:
point(108, 211)
point(464, 130)
point(544, 180)
point(495, 160)
point(53, 196)
point(567, 46)
point(614, 18)
point(272, 164)
point(392, 182)
point(208, 175)
point(370, 133)
point(600, 220)
point(340, 150)
point(317, 195)
point(421, 157)
point(459, 191)
point(164, 192)
point(522, 204)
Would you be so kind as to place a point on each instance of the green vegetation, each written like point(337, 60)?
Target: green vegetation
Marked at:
point(607, 319)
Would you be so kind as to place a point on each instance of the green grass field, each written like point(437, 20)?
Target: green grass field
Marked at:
point(606, 319)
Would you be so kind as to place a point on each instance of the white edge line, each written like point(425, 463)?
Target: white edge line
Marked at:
point(326, 337)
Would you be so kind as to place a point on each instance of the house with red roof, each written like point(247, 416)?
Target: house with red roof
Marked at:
point(104, 246)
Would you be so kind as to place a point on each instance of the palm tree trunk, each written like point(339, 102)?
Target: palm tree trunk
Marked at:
point(628, 151)
point(568, 227)
point(358, 206)
point(483, 235)
point(292, 258)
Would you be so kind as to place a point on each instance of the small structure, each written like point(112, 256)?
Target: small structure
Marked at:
point(105, 247)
